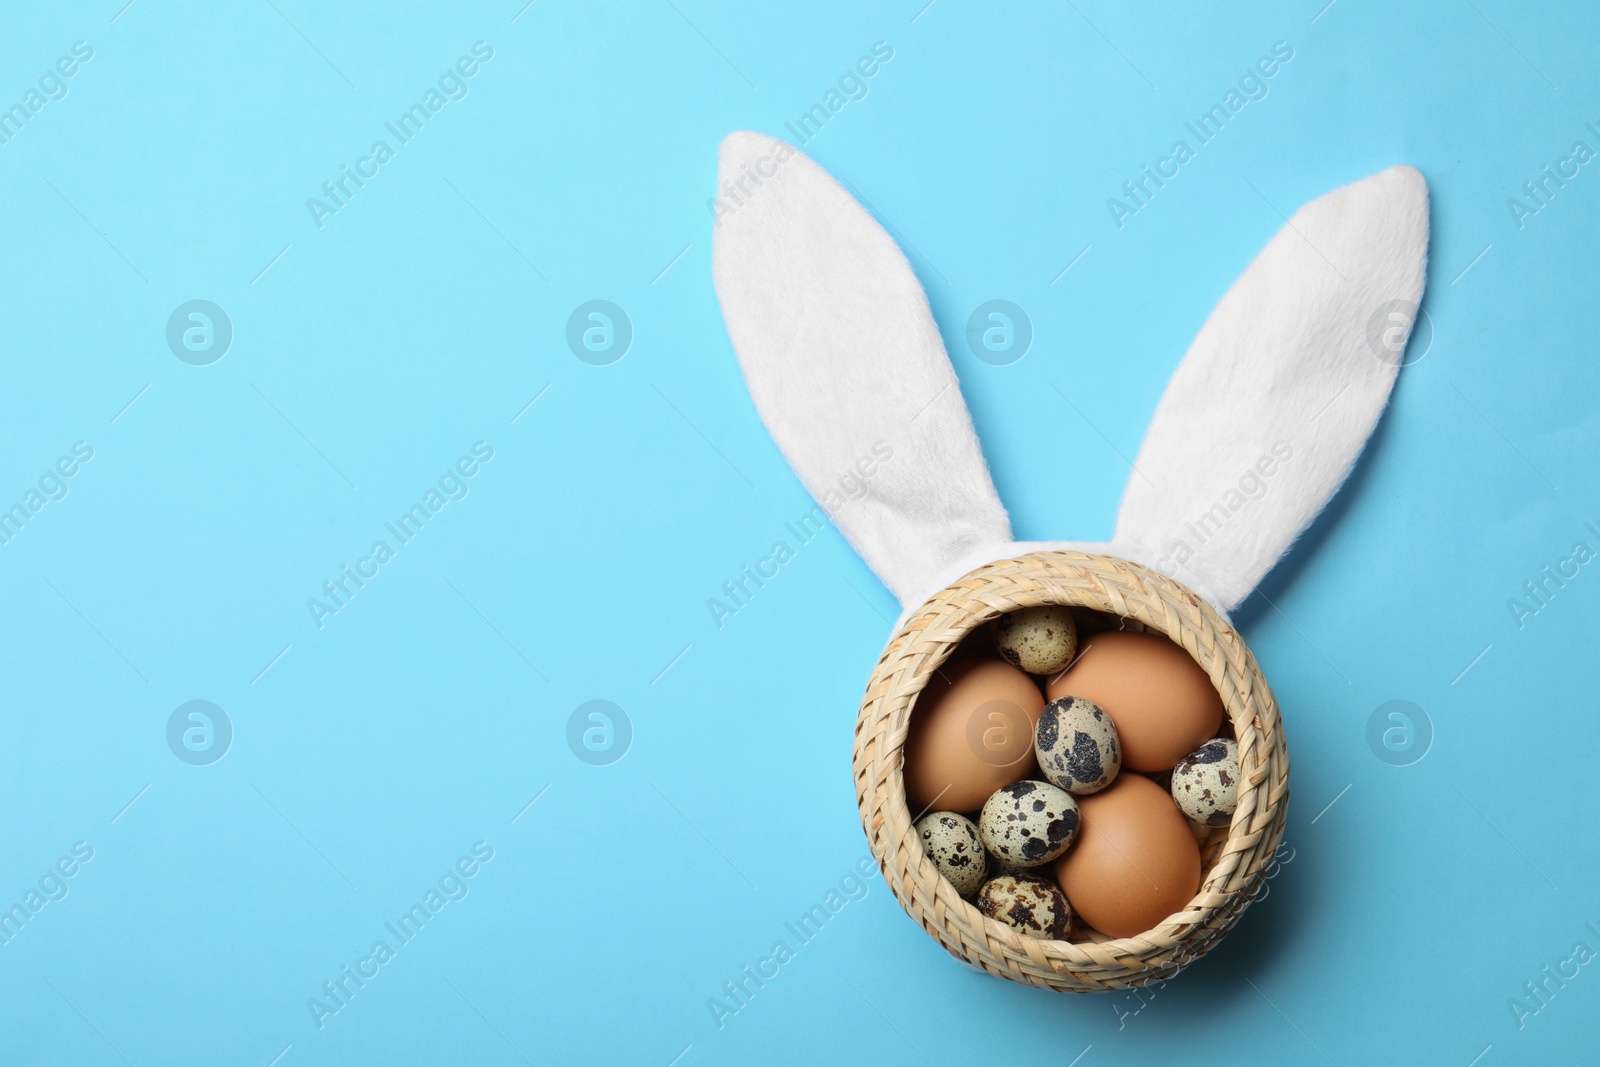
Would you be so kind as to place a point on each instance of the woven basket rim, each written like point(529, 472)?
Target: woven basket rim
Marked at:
point(926, 640)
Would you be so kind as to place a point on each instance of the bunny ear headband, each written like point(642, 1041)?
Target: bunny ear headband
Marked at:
point(1258, 428)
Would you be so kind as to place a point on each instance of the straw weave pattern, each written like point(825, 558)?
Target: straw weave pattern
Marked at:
point(1235, 858)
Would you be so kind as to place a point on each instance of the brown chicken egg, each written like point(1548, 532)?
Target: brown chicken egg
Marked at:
point(1135, 862)
point(1162, 703)
point(971, 732)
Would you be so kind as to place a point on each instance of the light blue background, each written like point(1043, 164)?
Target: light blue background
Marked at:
point(428, 713)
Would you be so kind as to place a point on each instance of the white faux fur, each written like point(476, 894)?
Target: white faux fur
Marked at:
point(1279, 391)
point(1260, 425)
point(841, 355)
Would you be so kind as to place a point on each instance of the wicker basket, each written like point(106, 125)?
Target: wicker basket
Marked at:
point(1235, 858)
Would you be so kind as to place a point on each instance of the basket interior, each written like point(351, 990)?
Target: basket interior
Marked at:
point(977, 643)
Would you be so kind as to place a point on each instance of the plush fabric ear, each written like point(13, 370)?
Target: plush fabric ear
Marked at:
point(1270, 408)
point(846, 366)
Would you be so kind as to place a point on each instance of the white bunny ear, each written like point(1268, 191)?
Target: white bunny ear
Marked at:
point(846, 365)
point(1270, 408)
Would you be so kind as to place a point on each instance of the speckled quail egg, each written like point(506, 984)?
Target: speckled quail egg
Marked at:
point(1077, 746)
point(1039, 640)
point(1028, 903)
point(952, 843)
point(1026, 824)
point(1205, 783)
